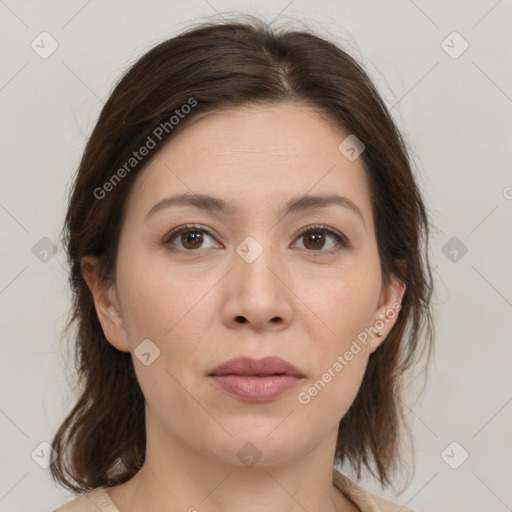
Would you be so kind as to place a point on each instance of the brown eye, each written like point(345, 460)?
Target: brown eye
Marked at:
point(322, 239)
point(188, 238)
point(191, 239)
point(314, 240)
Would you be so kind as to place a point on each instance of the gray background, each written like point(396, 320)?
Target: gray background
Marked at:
point(455, 113)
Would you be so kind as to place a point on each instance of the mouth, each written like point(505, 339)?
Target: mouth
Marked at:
point(255, 380)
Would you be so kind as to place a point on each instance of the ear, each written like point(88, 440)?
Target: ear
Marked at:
point(388, 309)
point(106, 303)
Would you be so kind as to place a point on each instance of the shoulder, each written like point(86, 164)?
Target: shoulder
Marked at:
point(366, 501)
point(92, 501)
point(98, 499)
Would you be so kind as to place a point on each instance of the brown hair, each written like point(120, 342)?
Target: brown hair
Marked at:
point(214, 65)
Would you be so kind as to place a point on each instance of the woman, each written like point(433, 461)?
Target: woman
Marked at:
point(251, 281)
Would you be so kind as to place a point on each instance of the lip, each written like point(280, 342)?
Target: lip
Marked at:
point(248, 366)
point(256, 380)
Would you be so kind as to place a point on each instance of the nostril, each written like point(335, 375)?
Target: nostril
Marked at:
point(240, 319)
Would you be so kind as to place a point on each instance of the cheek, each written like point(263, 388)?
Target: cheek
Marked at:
point(175, 311)
point(342, 347)
point(342, 350)
point(159, 300)
point(341, 340)
point(344, 305)
point(331, 394)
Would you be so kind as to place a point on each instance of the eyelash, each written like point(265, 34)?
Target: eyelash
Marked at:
point(342, 241)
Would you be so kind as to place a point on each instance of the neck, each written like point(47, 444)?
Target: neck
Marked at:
point(183, 479)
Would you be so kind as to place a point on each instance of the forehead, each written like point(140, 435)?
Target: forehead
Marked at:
point(251, 154)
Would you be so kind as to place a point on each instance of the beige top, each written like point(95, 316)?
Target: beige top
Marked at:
point(99, 500)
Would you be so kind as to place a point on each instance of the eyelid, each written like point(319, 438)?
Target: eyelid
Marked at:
point(186, 227)
point(343, 241)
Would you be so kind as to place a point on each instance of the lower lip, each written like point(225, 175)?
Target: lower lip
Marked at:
point(256, 389)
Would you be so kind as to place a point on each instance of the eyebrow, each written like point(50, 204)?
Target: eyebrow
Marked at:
point(295, 205)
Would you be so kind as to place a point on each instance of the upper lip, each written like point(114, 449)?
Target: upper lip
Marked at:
point(249, 366)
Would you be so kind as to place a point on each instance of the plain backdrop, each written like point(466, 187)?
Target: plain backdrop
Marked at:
point(451, 95)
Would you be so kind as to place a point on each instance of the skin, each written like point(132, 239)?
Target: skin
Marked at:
point(302, 301)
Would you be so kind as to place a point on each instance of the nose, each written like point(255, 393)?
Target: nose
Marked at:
point(258, 295)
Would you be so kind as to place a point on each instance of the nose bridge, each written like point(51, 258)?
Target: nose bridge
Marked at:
point(254, 259)
point(257, 293)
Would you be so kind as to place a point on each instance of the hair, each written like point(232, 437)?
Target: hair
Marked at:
point(230, 64)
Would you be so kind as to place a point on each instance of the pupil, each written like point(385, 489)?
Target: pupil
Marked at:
point(317, 237)
point(192, 239)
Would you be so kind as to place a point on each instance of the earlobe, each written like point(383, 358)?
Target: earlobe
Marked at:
point(106, 304)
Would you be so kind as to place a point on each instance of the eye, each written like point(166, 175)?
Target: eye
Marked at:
point(190, 238)
point(316, 237)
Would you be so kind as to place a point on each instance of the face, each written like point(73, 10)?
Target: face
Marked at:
point(269, 267)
